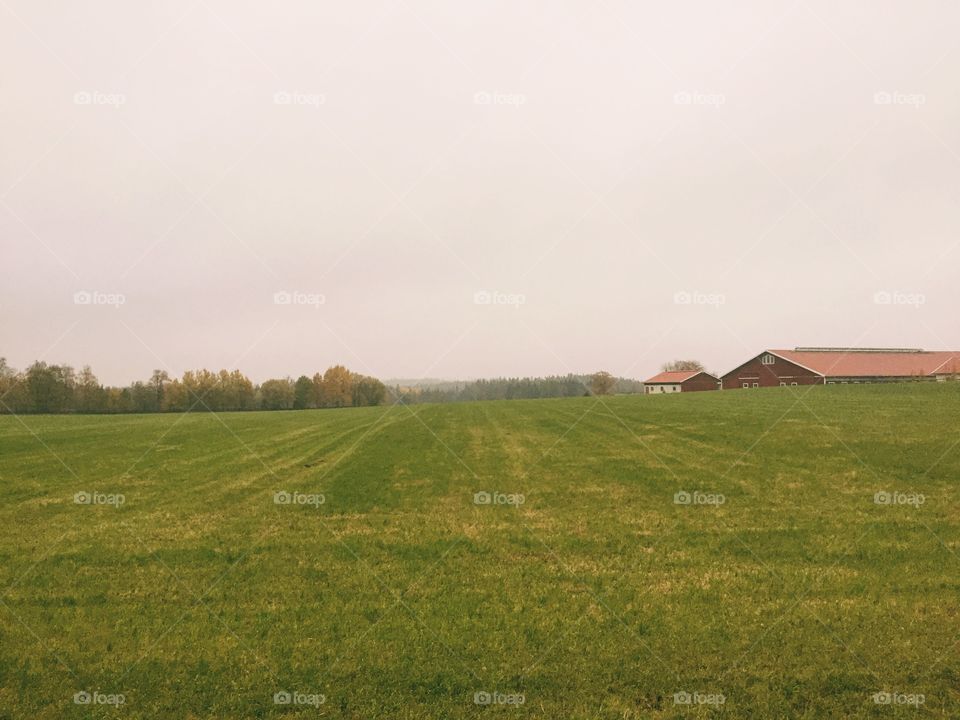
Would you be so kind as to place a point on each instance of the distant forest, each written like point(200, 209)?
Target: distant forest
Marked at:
point(43, 388)
point(553, 386)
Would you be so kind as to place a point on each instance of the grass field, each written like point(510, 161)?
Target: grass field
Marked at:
point(398, 596)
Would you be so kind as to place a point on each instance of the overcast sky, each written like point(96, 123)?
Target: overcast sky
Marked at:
point(474, 189)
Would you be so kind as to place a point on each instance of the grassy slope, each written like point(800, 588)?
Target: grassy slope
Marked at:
point(598, 597)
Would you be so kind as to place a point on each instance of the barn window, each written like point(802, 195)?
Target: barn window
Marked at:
point(768, 359)
point(783, 384)
point(746, 385)
point(793, 383)
point(756, 384)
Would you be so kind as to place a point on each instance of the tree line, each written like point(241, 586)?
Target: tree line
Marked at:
point(553, 386)
point(43, 388)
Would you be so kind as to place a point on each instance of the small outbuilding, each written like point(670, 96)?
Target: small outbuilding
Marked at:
point(681, 381)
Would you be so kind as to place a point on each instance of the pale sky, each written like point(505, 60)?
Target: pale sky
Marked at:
point(474, 189)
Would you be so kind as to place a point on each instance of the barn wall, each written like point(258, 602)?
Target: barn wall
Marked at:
point(782, 370)
point(661, 388)
point(699, 383)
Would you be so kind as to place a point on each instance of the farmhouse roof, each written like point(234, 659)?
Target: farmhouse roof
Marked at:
point(852, 362)
point(677, 376)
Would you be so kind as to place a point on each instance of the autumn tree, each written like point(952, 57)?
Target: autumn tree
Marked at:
point(204, 389)
point(244, 392)
point(89, 396)
point(119, 400)
point(601, 383)
point(175, 397)
point(303, 394)
point(367, 391)
point(50, 387)
point(337, 387)
point(276, 394)
point(142, 398)
point(317, 392)
point(233, 391)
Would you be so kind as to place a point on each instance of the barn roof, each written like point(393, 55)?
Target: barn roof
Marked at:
point(673, 377)
point(873, 363)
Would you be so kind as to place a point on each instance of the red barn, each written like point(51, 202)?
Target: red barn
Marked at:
point(828, 366)
point(682, 381)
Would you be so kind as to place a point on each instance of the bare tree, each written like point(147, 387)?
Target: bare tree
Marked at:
point(682, 365)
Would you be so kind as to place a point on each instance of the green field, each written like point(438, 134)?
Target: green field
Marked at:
point(399, 597)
